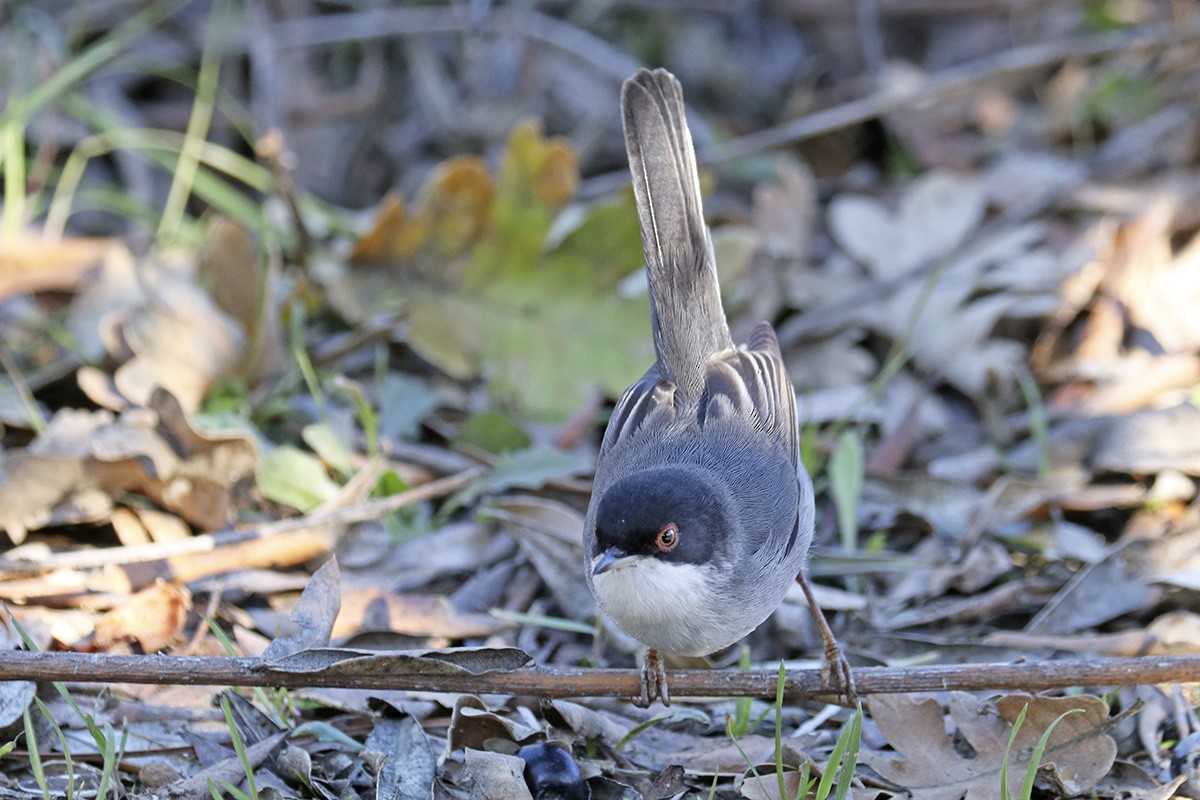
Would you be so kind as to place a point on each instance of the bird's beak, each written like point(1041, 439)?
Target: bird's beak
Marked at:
point(610, 559)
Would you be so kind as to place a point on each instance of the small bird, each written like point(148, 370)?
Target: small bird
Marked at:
point(701, 514)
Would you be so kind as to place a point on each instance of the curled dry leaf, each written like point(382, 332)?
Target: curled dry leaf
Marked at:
point(139, 315)
point(446, 661)
point(229, 260)
point(15, 696)
point(313, 615)
point(473, 725)
point(154, 618)
point(928, 765)
point(84, 460)
point(29, 264)
point(1123, 582)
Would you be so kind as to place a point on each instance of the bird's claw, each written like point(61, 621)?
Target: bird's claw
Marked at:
point(654, 681)
point(836, 676)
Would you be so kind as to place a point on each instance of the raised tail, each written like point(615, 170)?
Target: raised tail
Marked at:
point(685, 298)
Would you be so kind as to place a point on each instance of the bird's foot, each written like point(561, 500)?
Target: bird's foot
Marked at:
point(654, 681)
point(836, 676)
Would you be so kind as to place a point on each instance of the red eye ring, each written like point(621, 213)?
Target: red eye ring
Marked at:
point(667, 538)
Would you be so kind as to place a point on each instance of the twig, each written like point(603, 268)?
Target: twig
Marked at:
point(579, 682)
point(362, 512)
point(1018, 59)
point(379, 23)
point(936, 86)
point(270, 150)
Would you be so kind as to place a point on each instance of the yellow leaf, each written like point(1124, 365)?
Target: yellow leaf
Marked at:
point(557, 179)
point(539, 168)
point(456, 202)
point(393, 236)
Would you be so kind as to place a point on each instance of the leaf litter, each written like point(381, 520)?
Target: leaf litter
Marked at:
point(991, 296)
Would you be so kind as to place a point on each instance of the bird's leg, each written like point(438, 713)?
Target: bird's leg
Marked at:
point(654, 681)
point(836, 676)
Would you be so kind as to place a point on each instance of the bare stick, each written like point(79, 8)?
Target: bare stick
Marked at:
point(362, 512)
point(1018, 59)
point(579, 682)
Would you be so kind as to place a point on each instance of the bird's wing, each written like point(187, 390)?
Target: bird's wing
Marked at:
point(751, 384)
point(650, 399)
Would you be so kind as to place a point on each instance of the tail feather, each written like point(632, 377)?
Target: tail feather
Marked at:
point(685, 298)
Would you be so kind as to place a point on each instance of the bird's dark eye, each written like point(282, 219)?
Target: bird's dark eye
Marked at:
point(668, 537)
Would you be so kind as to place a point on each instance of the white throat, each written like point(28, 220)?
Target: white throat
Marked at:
point(670, 607)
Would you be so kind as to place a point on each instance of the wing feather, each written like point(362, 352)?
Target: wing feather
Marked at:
point(752, 382)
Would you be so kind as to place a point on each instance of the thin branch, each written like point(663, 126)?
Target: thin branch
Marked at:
point(955, 79)
point(360, 26)
point(579, 682)
point(361, 512)
point(935, 87)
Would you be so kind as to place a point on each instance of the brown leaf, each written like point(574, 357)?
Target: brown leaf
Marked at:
point(139, 314)
point(472, 725)
point(446, 661)
point(244, 291)
point(154, 617)
point(456, 204)
point(548, 532)
point(84, 459)
point(411, 614)
point(545, 166)
point(30, 264)
point(313, 614)
point(393, 235)
point(410, 761)
point(496, 776)
point(283, 551)
point(929, 767)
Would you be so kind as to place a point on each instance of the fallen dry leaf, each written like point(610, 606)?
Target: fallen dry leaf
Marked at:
point(928, 765)
point(366, 610)
point(313, 615)
point(154, 618)
point(84, 461)
point(29, 264)
point(247, 293)
point(934, 215)
point(138, 314)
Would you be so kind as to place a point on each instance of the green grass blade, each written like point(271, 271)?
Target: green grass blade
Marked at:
point(239, 747)
point(1039, 429)
point(13, 147)
point(108, 754)
point(233, 791)
point(1035, 759)
point(779, 732)
point(543, 621)
point(845, 483)
point(853, 734)
point(746, 758)
point(1004, 793)
point(670, 715)
point(35, 756)
point(198, 125)
point(62, 740)
point(94, 56)
point(842, 759)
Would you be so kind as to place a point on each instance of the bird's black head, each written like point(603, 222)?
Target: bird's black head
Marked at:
point(670, 513)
